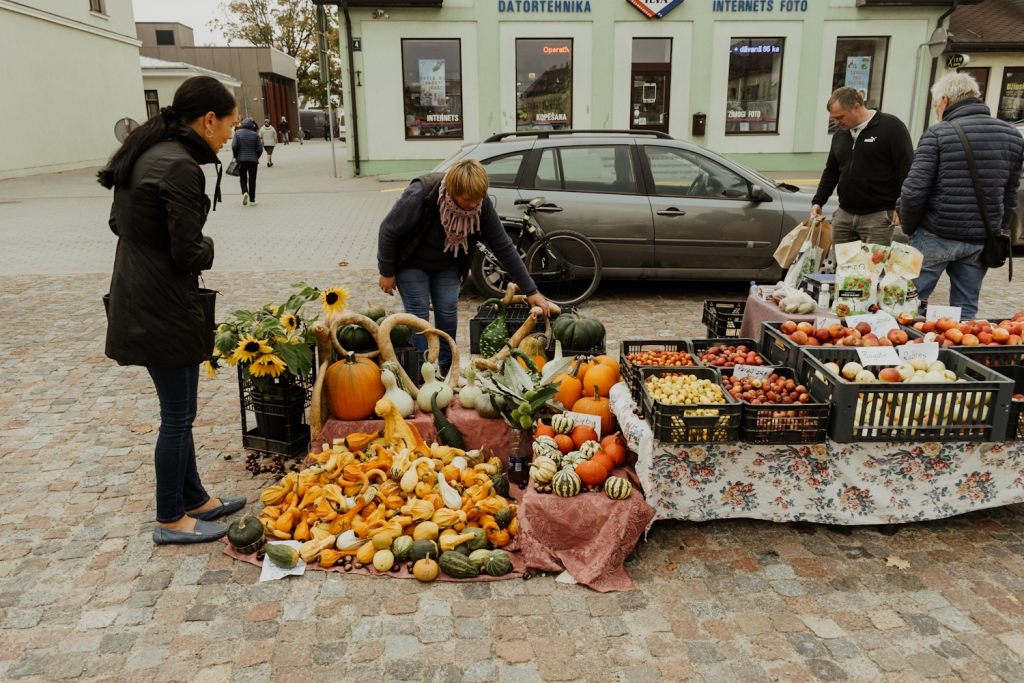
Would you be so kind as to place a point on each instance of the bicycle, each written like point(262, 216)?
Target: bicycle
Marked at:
point(564, 264)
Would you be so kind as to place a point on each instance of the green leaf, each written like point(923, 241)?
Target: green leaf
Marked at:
point(298, 358)
point(226, 343)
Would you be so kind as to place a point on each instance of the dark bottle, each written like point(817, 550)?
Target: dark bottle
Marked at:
point(519, 456)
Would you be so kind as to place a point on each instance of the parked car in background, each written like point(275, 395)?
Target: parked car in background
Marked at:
point(655, 207)
point(312, 122)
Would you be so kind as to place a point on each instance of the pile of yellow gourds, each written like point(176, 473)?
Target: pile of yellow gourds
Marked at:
point(371, 488)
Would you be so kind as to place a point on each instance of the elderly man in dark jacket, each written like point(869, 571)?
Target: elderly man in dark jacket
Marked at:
point(247, 148)
point(939, 207)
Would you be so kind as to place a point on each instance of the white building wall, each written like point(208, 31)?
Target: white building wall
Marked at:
point(67, 75)
point(996, 62)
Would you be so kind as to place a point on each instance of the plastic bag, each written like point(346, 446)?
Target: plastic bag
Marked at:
point(897, 293)
point(808, 261)
point(858, 268)
point(798, 303)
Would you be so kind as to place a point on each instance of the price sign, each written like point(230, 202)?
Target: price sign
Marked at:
point(936, 312)
point(589, 420)
point(271, 572)
point(826, 322)
point(928, 350)
point(757, 371)
point(877, 355)
point(880, 323)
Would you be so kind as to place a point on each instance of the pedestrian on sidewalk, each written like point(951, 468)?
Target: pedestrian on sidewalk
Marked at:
point(268, 136)
point(869, 160)
point(247, 149)
point(155, 318)
point(419, 246)
point(939, 204)
point(285, 129)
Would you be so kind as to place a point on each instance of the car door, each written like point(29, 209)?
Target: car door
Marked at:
point(704, 217)
point(594, 189)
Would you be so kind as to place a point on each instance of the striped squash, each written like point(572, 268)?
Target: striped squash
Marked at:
point(588, 448)
point(566, 484)
point(562, 424)
point(543, 469)
point(618, 488)
point(546, 446)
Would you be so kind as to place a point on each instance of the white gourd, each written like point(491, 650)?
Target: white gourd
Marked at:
point(459, 463)
point(452, 499)
point(411, 477)
point(403, 401)
point(431, 386)
point(469, 393)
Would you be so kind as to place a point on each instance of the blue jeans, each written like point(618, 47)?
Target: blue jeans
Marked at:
point(961, 262)
point(418, 290)
point(178, 487)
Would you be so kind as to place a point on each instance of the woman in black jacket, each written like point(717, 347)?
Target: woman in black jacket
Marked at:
point(155, 318)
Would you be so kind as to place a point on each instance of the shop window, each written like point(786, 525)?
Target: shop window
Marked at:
point(652, 50)
point(980, 74)
point(755, 81)
point(860, 64)
point(152, 103)
point(1011, 96)
point(503, 171)
point(432, 82)
point(543, 84)
point(164, 37)
point(677, 173)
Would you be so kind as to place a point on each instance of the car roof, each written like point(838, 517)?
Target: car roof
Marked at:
point(547, 134)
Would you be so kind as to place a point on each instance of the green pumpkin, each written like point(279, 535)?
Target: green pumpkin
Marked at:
point(500, 485)
point(566, 484)
point(478, 557)
point(355, 338)
point(374, 313)
point(617, 488)
point(498, 563)
point(246, 535)
point(457, 565)
point(282, 555)
point(401, 546)
point(504, 517)
point(577, 332)
point(401, 335)
point(480, 540)
point(423, 548)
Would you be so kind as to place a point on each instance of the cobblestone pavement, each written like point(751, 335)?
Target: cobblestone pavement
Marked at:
point(85, 595)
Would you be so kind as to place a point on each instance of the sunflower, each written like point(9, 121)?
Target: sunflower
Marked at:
point(211, 369)
point(267, 365)
point(290, 322)
point(334, 299)
point(248, 348)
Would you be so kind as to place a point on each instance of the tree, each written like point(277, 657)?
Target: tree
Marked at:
point(289, 26)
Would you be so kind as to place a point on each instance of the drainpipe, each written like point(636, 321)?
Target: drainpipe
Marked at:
point(353, 115)
point(935, 66)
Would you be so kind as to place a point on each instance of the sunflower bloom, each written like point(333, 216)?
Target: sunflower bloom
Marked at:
point(211, 369)
point(290, 322)
point(334, 299)
point(248, 348)
point(268, 365)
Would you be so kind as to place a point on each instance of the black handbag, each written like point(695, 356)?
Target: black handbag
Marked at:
point(208, 300)
point(997, 249)
point(232, 168)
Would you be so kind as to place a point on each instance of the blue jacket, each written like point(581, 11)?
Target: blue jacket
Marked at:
point(939, 196)
point(246, 144)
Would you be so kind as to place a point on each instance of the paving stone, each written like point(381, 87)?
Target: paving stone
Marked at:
point(447, 673)
point(367, 628)
point(923, 624)
point(704, 652)
point(118, 643)
point(929, 664)
point(479, 672)
point(842, 649)
point(520, 673)
point(436, 630)
point(253, 674)
point(806, 645)
point(643, 673)
point(30, 664)
point(471, 628)
point(826, 670)
point(614, 626)
point(401, 647)
point(951, 649)
point(328, 654)
point(201, 613)
point(405, 670)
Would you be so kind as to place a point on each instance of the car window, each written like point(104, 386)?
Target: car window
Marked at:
point(548, 177)
point(598, 169)
point(503, 171)
point(679, 173)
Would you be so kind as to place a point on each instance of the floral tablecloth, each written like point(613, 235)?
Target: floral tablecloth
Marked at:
point(830, 483)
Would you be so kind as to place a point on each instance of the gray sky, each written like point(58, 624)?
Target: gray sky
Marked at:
point(193, 13)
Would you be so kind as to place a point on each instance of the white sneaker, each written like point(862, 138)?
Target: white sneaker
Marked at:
point(245, 199)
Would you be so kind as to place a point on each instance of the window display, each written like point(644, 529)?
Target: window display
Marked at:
point(980, 74)
point(1011, 96)
point(432, 80)
point(543, 84)
point(755, 80)
point(860, 64)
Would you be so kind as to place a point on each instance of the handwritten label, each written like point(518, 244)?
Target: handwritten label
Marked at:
point(928, 350)
point(825, 322)
point(877, 355)
point(758, 371)
point(589, 420)
point(936, 312)
point(271, 572)
point(881, 323)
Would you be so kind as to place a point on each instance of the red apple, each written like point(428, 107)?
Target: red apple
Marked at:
point(1014, 340)
point(822, 335)
point(984, 338)
point(885, 341)
point(919, 327)
point(863, 328)
point(964, 327)
point(970, 340)
point(837, 331)
point(943, 324)
point(1014, 329)
point(805, 327)
point(897, 337)
point(1000, 335)
point(799, 337)
point(889, 375)
point(870, 340)
point(788, 327)
point(954, 335)
point(813, 341)
point(928, 326)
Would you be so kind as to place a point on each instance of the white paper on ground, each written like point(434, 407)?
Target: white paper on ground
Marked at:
point(271, 572)
point(565, 577)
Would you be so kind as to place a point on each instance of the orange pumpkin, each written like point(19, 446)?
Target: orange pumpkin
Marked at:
point(609, 361)
point(591, 473)
point(584, 367)
point(353, 387)
point(570, 389)
point(564, 443)
point(616, 452)
point(544, 430)
point(616, 438)
point(605, 460)
point(596, 406)
point(582, 433)
point(604, 377)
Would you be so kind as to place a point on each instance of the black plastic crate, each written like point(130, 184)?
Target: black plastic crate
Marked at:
point(776, 347)
point(700, 345)
point(671, 424)
point(887, 411)
point(515, 316)
point(723, 318)
point(631, 373)
point(1014, 423)
point(279, 409)
point(991, 356)
point(803, 422)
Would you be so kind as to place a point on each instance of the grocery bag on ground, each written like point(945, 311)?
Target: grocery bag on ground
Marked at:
point(858, 268)
point(896, 292)
point(808, 261)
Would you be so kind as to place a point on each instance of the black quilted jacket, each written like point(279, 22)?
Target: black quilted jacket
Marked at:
point(939, 196)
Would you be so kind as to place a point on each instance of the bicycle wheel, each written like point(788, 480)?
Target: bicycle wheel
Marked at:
point(566, 267)
point(489, 276)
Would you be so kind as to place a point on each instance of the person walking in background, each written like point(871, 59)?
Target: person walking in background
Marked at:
point(285, 129)
point(247, 149)
point(155, 318)
point(869, 160)
point(939, 204)
point(268, 136)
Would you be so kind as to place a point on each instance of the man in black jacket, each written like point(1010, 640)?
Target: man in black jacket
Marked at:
point(869, 160)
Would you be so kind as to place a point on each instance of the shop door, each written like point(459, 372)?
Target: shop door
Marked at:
point(650, 97)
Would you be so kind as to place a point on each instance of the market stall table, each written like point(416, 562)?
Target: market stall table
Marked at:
point(829, 483)
point(758, 311)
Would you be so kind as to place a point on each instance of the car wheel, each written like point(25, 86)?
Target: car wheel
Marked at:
point(489, 277)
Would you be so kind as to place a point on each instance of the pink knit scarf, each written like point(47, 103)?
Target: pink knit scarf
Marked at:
point(458, 223)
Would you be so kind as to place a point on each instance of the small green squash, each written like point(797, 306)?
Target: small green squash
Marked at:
point(500, 484)
point(282, 555)
point(355, 338)
point(577, 332)
point(562, 424)
point(566, 484)
point(423, 548)
point(485, 406)
point(498, 563)
point(478, 557)
point(504, 517)
point(457, 565)
point(374, 313)
point(480, 540)
point(546, 446)
point(246, 535)
point(401, 335)
point(401, 546)
point(618, 488)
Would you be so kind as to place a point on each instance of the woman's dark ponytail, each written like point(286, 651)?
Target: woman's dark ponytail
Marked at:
point(194, 99)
